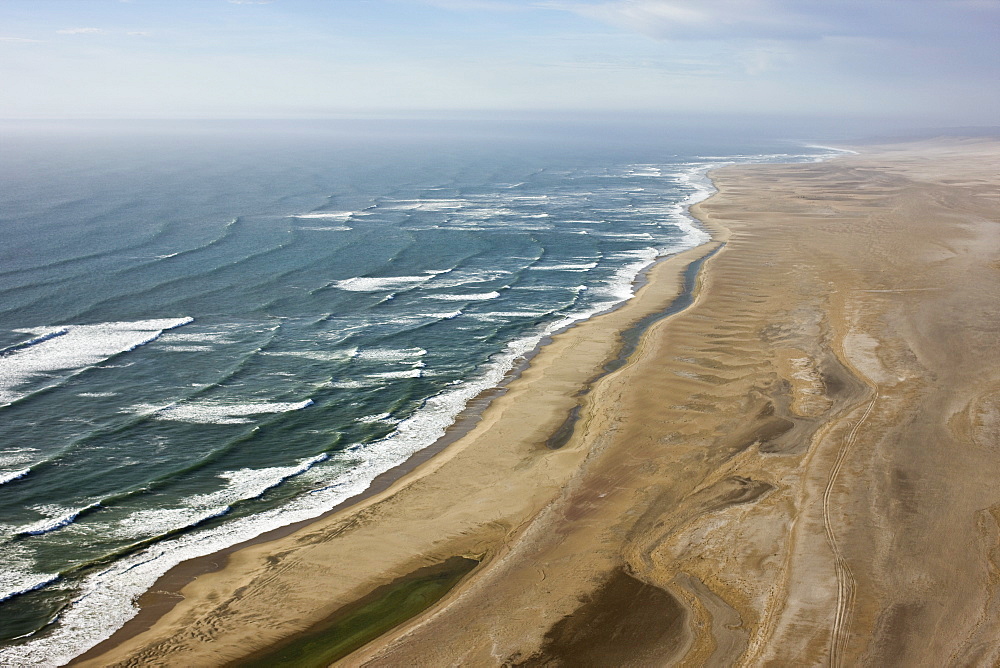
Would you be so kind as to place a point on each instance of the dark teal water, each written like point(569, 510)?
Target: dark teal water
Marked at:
point(206, 335)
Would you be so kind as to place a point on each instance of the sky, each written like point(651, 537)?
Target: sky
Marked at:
point(927, 61)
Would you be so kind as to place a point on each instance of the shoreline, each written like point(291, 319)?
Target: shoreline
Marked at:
point(165, 593)
point(778, 473)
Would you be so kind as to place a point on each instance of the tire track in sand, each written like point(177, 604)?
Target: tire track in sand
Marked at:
point(846, 584)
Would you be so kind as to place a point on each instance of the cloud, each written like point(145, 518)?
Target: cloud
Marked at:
point(80, 31)
point(138, 33)
point(19, 39)
point(711, 19)
point(788, 19)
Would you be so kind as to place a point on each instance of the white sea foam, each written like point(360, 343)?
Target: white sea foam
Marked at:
point(17, 576)
point(380, 283)
point(381, 417)
point(353, 384)
point(443, 315)
point(196, 337)
point(17, 456)
point(343, 216)
point(483, 213)
point(391, 354)
point(390, 375)
point(318, 355)
point(504, 315)
point(624, 235)
point(57, 353)
point(241, 485)
point(58, 518)
point(327, 228)
point(462, 277)
point(10, 476)
point(425, 204)
point(564, 267)
point(465, 298)
point(213, 412)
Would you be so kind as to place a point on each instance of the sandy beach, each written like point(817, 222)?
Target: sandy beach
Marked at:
point(799, 468)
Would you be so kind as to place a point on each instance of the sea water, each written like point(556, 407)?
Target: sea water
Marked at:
point(208, 333)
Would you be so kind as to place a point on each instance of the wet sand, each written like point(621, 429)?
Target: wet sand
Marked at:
point(801, 467)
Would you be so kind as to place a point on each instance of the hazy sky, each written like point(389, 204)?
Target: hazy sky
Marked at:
point(933, 60)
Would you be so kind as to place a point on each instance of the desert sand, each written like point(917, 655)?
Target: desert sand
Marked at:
point(802, 467)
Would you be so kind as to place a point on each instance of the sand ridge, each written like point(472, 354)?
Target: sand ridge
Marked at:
point(799, 468)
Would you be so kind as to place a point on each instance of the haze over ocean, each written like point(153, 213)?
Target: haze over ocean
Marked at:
point(208, 334)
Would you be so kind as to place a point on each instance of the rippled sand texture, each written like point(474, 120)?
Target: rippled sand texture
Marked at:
point(801, 468)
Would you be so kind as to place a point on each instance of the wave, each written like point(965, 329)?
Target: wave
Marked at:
point(503, 315)
point(483, 213)
point(213, 277)
point(62, 455)
point(343, 216)
point(11, 476)
point(424, 204)
point(241, 485)
point(460, 277)
point(385, 418)
point(318, 355)
point(444, 315)
point(565, 267)
point(481, 296)
point(15, 583)
point(354, 384)
point(51, 524)
point(379, 283)
point(47, 266)
point(391, 354)
point(69, 350)
point(212, 412)
point(227, 231)
point(326, 228)
point(409, 373)
point(198, 337)
point(624, 235)
point(41, 338)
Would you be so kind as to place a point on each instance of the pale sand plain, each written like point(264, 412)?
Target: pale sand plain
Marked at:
point(801, 468)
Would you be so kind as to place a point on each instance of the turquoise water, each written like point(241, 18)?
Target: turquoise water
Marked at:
point(208, 334)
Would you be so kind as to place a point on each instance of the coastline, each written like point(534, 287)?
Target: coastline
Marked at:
point(726, 483)
point(666, 275)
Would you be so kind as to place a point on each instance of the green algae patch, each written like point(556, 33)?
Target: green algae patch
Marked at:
point(358, 623)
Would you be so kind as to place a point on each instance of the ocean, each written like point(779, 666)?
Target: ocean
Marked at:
point(211, 331)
